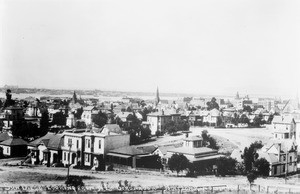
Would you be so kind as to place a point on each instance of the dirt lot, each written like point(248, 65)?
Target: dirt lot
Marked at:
point(227, 138)
point(39, 175)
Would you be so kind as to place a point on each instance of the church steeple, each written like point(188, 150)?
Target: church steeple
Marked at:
point(157, 99)
point(74, 99)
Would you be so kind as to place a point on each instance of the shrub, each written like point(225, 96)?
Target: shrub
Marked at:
point(226, 166)
point(110, 167)
point(74, 181)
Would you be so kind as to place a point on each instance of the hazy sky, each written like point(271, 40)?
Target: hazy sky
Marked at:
point(201, 46)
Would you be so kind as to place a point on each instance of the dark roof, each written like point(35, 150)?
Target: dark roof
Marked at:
point(4, 136)
point(129, 150)
point(56, 142)
point(50, 140)
point(14, 142)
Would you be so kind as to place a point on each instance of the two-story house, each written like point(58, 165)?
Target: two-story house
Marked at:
point(284, 127)
point(88, 113)
point(89, 147)
point(10, 115)
point(282, 156)
point(158, 120)
point(72, 148)
point(97, 145)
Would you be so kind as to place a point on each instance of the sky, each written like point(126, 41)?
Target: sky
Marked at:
point(196, 46)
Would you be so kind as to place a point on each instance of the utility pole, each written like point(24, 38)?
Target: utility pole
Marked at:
point(286, 166)
point(68, 173)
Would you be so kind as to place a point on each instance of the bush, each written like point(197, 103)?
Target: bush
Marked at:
point(226, 166)
point(74, 181)
point(110, 167)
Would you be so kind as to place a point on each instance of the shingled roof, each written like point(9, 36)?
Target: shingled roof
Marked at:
point(13, 142)
point(50, 140)
point(4, 136)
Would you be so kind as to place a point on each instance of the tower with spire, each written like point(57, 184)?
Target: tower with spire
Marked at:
point(157, 99)
point(74, 98)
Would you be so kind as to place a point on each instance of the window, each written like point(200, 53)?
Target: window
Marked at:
point(88, 143)
point(77, 143)
point(283, 158)
point(7, 150)
point(99, 144)
point(275, 170)
point(291, 159)
point(69, 142)
point(283, 168)
point(87, 158)
point(65, 157)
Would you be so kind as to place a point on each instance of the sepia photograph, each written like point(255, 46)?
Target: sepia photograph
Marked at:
point(149, 96)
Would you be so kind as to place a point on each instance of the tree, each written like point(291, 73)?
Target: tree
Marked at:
point(78, 113)
point(170, 127)
point(226, 166)
point(212, 104)
point(59, 118)
point(258, 120)
point(250, 155)
point(182, 125)
point(20, 129)
point(44, 123)
point(100, 119)
point(263, 167)
point(209, 141)
point(251, 178)
point(243, 119)
point(74, 181)
point(178, 162)
point(247, 108)
point(145, 133)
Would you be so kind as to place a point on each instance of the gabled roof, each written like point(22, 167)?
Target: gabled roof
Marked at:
point(4, 136)
point(13, 142)
point(283, 119)
point(108, 128)
point(165, 148)
point(270, 157)
point(56, 142)
point(50, 140)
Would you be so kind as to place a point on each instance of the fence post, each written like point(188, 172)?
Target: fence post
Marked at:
point(162, 191)
point(258, 188)
point(179, 190)
point(267, 189)
point(238, 189)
